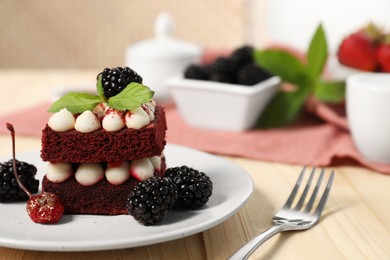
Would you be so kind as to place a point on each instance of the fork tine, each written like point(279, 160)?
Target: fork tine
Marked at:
point(293, 193)
point(321, 204)
point(314, 195)
point(304, 194)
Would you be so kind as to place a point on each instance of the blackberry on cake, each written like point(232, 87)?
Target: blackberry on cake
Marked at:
point(9, 188)
point(194, 187)
point(116, 79)
point(150, 199)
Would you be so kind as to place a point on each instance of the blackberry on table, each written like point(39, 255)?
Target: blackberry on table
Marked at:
point(194, 187)
point(251, 74)
point(194, 71)
point(9, 188)
point(116, 79)
point(151, 199)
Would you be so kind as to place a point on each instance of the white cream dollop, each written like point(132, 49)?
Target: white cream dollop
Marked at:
point(87, 122)
point(62, 121)
point(100, 110)
point(88, 174)
point(156, 162)
point(149, 110)
point(113, 120)
point(118, 174)
point(141, 169)
point(59, 172)
point(153, 103)
point(137, 118)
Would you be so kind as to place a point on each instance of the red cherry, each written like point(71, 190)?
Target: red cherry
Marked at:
point(43, 208)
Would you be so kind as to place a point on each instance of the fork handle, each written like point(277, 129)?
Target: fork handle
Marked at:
point(246, 250)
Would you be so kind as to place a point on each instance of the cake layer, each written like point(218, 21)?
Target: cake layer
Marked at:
point(103, 198)
point(103, 146)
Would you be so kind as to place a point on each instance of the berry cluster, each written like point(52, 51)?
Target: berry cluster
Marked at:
point(115, 80)
point(182, 187)
point(9, 188)
point(239, 68)
point(366, 49)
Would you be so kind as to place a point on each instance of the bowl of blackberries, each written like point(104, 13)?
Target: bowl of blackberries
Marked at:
point(228, 94)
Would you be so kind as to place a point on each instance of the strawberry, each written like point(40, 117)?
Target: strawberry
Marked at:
point(358, 49)
point(42, 208)
point(383, 54)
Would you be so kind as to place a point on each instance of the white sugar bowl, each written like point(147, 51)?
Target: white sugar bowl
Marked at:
point(161, 57)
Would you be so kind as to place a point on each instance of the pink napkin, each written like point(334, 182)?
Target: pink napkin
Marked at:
point(324, 141)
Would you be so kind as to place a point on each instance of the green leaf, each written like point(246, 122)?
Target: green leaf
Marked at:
point(283, 64)
point(330, 91)
point(132, 96)
point(76, 102)
point(99, 87)
point(317, 53)
point(283, 108)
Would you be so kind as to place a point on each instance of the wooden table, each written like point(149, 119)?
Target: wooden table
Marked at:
point(355, 225)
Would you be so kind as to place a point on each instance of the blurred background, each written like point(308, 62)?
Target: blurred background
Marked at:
point(93, 34)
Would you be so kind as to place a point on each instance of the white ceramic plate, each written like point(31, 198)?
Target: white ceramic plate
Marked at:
point(231, 188)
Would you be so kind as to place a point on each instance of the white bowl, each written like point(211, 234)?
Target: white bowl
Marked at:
point(221, 106)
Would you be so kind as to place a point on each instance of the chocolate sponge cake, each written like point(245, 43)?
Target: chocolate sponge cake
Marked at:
point(103, 146)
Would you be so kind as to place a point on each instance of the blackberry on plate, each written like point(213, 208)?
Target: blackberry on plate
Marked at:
point(242, 56)
point(151, 199)
point(9, 188)
point(194, 71)
point(251, 74)
point(194, 187)
point(116, 79)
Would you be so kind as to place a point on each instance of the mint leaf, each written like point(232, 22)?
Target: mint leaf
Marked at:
point(76, 102)
point(330, 91)
point(317, 53)
point(99, 87)
point(283, 64)
point(284, 108)
point(132, 96)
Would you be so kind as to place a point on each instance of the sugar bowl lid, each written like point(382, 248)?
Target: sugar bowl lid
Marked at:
point(164, 45)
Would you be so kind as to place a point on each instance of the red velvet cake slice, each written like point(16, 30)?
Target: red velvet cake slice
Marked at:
point(98, 147)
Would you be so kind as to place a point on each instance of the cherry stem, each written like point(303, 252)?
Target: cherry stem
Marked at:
point(12, 130)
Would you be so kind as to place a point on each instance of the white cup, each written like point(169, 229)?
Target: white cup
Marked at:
point(368, 113)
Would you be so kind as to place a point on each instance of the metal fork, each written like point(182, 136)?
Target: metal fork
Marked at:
point(289, 217)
